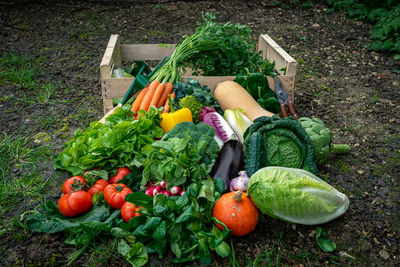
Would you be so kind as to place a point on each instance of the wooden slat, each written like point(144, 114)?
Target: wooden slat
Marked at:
point(145, 51)
point(111, 57)
point(273, 52)
point(107, 104)
point(115, 87)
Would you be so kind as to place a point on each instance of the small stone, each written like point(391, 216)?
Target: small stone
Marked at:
point(312, 233)
point(344, 254)
point(384, 254)
point(315, 25)
point(392, 120)
point(360, 171)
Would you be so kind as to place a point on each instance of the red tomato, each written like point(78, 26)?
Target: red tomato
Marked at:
point(98, 187)
point(115, 194)
point(75, 203)
point(129, 210)
point(121, 173)
point(76, 183)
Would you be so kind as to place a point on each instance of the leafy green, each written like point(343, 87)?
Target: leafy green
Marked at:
point(323, 241)
point(193, 87)
point(113, 144)
point(385, 15)
point(186, 154)
point(80, 231)
point(136, 254)
point(295, 196)
point(52, 221)
point(236, 50)
point(183, 224)
point(273, 141)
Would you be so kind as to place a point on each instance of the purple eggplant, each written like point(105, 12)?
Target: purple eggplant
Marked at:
point(229, 162)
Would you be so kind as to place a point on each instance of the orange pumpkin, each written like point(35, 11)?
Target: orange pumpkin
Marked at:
point(237, 212)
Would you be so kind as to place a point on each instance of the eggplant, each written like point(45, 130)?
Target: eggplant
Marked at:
point(229, 162)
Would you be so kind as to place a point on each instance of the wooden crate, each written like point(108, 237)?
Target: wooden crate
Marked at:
point(116, 53)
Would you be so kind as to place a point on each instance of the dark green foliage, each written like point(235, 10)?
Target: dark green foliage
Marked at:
point(201, 93)
point(185, 155)
point(183, 224)
point(284, 143)
point(236, 50)
point(385, 15)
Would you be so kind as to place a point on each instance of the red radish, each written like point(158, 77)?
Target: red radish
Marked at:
point(157, 190)
point(149, 191)
point(149, 185)
point(181, 193)
point(175, 190)
point(163, 184)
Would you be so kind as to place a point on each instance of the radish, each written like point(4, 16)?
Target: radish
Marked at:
point(163, 184)
point(175, 190)
point(157, 190)
point(149, 191)
point(181, 193)
point(149, 185)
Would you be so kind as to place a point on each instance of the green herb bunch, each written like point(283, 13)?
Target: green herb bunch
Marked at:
point(236, 50)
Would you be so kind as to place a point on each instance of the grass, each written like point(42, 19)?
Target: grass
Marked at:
point(268, 257)
point(20, 70)
point(21, 184)
point(19, 170)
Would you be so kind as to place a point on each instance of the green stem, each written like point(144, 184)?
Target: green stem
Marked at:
point(339, 149)
point(171, 107)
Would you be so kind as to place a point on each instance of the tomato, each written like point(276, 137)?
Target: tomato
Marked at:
point(129, 210)
point(121, 173)
point(98, 187)
point(115, 194)
point(75, 203)
point(76, 183)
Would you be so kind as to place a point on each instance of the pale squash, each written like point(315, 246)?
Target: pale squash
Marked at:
point(231, 95)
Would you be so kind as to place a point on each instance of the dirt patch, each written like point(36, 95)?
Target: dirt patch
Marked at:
point(355, 91)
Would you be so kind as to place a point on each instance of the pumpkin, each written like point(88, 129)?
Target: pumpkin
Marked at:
point(237, 212)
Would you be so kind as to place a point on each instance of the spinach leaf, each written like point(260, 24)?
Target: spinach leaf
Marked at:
point(55, 222)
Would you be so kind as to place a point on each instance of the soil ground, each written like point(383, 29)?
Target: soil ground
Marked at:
point(354, 90)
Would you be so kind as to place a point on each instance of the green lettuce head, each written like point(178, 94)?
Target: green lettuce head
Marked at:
point(295, 196)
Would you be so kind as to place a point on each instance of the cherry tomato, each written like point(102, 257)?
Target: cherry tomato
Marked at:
point(76, 183)
point(115, 194)
point(129, 210)
point(98, 187)
point(75, 203)
point(121, 173)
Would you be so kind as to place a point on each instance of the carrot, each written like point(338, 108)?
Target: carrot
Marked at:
point(168, 90)
point(166, 106)
point(149, 95)
point(139, 99)
point(157, 94)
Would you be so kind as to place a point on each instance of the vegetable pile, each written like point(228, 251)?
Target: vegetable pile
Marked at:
point(183, 170)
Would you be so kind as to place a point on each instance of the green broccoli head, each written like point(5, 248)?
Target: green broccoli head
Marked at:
point(193, 104)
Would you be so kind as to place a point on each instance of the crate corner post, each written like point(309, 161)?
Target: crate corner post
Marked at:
point(111, 60)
